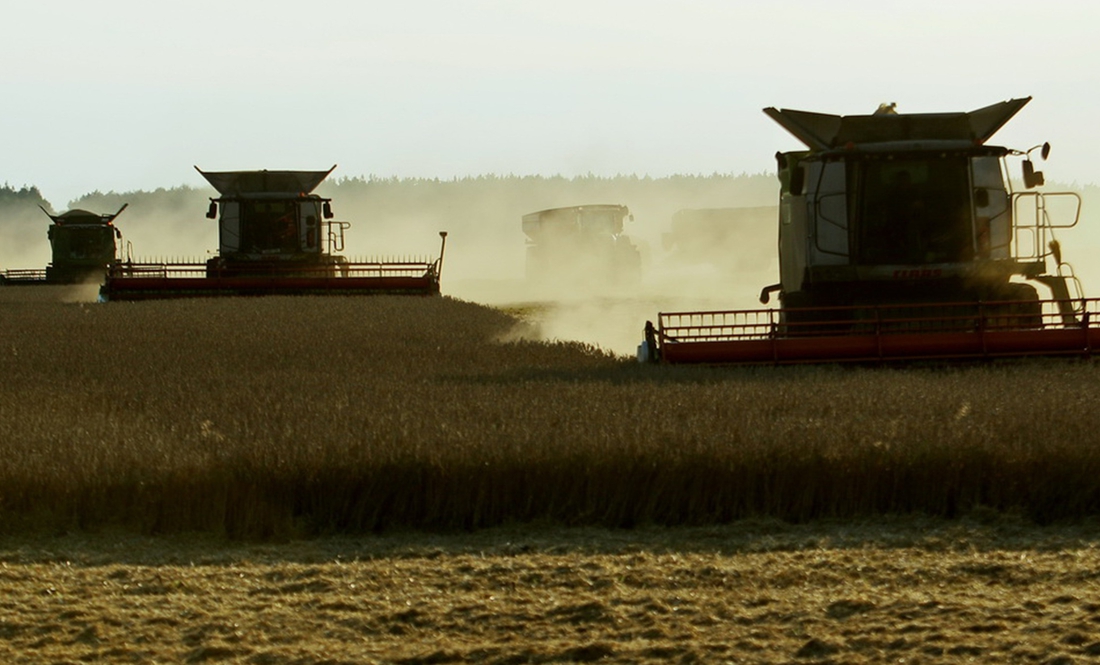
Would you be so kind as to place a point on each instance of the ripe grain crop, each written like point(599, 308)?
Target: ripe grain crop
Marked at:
point(276, 417)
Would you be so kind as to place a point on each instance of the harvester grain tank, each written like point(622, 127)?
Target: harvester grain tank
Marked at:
point(275, 237)
point(901, 236)
point(83, 246)
point(581, 245)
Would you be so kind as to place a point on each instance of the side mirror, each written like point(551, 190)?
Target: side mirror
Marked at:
point(212, 211)
point(1045, 151)
point(1032, 178)
point(118, 233)
point(326, 210)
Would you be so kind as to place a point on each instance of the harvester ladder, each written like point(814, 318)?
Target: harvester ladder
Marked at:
point(336, 235)
point(1033, 229)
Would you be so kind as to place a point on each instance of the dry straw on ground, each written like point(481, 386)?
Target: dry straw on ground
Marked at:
point(894, 590)
point(284, 416)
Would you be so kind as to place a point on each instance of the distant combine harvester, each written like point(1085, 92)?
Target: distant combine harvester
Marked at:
point(275, 237)
point(83, 246)
point(581, 247)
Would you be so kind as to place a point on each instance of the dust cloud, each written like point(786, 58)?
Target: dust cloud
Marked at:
point(580, 295)
point(1081, 243)
point(702, 242)
point(716, 263)
point(162, 225)
point(155, 225)
point(608, 306)
point(23, 243)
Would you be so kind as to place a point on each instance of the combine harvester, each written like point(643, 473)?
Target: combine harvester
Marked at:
point(901, 238)
point(275, 238)
point(581, 246)
point(83, 245)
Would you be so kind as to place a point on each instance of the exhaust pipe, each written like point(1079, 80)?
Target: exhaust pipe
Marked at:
point(767, 291)
point(442, 248)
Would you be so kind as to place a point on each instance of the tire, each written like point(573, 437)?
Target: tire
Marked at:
point(1023, 309)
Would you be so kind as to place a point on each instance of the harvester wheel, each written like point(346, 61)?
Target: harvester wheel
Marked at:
point(1024, 310)
point(801, 314)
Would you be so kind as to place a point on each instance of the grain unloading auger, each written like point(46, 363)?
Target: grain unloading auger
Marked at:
point(901, 238)
point(275, 237)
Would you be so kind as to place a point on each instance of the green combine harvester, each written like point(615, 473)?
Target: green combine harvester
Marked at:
point(84, 246)
point(275, 237)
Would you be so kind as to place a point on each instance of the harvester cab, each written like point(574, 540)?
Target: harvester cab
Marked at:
point(270, 220)
point(901, 236)
point(83, 246)
point(891, 208)
point(581, 246)
point(275, 237)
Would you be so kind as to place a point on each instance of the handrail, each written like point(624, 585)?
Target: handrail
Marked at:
point(755, 324)
point(415, 267)
point(1041, 227)
point(24, 275)
point(952, 331)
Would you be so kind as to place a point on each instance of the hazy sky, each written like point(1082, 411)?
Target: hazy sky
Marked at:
point(128, 94)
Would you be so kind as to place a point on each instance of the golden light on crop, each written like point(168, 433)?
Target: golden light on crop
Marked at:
point(256, 417)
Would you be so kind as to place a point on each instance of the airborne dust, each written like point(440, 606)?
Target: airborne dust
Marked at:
point(578, 295)
point(692, 252)
point(581, 294)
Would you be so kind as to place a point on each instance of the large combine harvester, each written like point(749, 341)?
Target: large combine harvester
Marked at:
point(902, 237)
point(581, 246)
point(275, 237)
point(83, 247)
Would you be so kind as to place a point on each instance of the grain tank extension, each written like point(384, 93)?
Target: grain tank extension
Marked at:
point(900, 237)
point(275, 237)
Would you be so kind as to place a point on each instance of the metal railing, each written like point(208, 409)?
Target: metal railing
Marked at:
point(952, 331)
point(1034, 224)
point(405, 267)
point(29, 275)
point(762, 324)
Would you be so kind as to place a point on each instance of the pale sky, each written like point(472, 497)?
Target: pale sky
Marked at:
point(129, 94)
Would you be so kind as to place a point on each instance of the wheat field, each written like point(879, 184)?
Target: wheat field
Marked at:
point(422, 480)
point(305, 416)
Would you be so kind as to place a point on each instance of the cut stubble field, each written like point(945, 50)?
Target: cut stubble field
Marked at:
point(421, 480)
point(897, 590)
